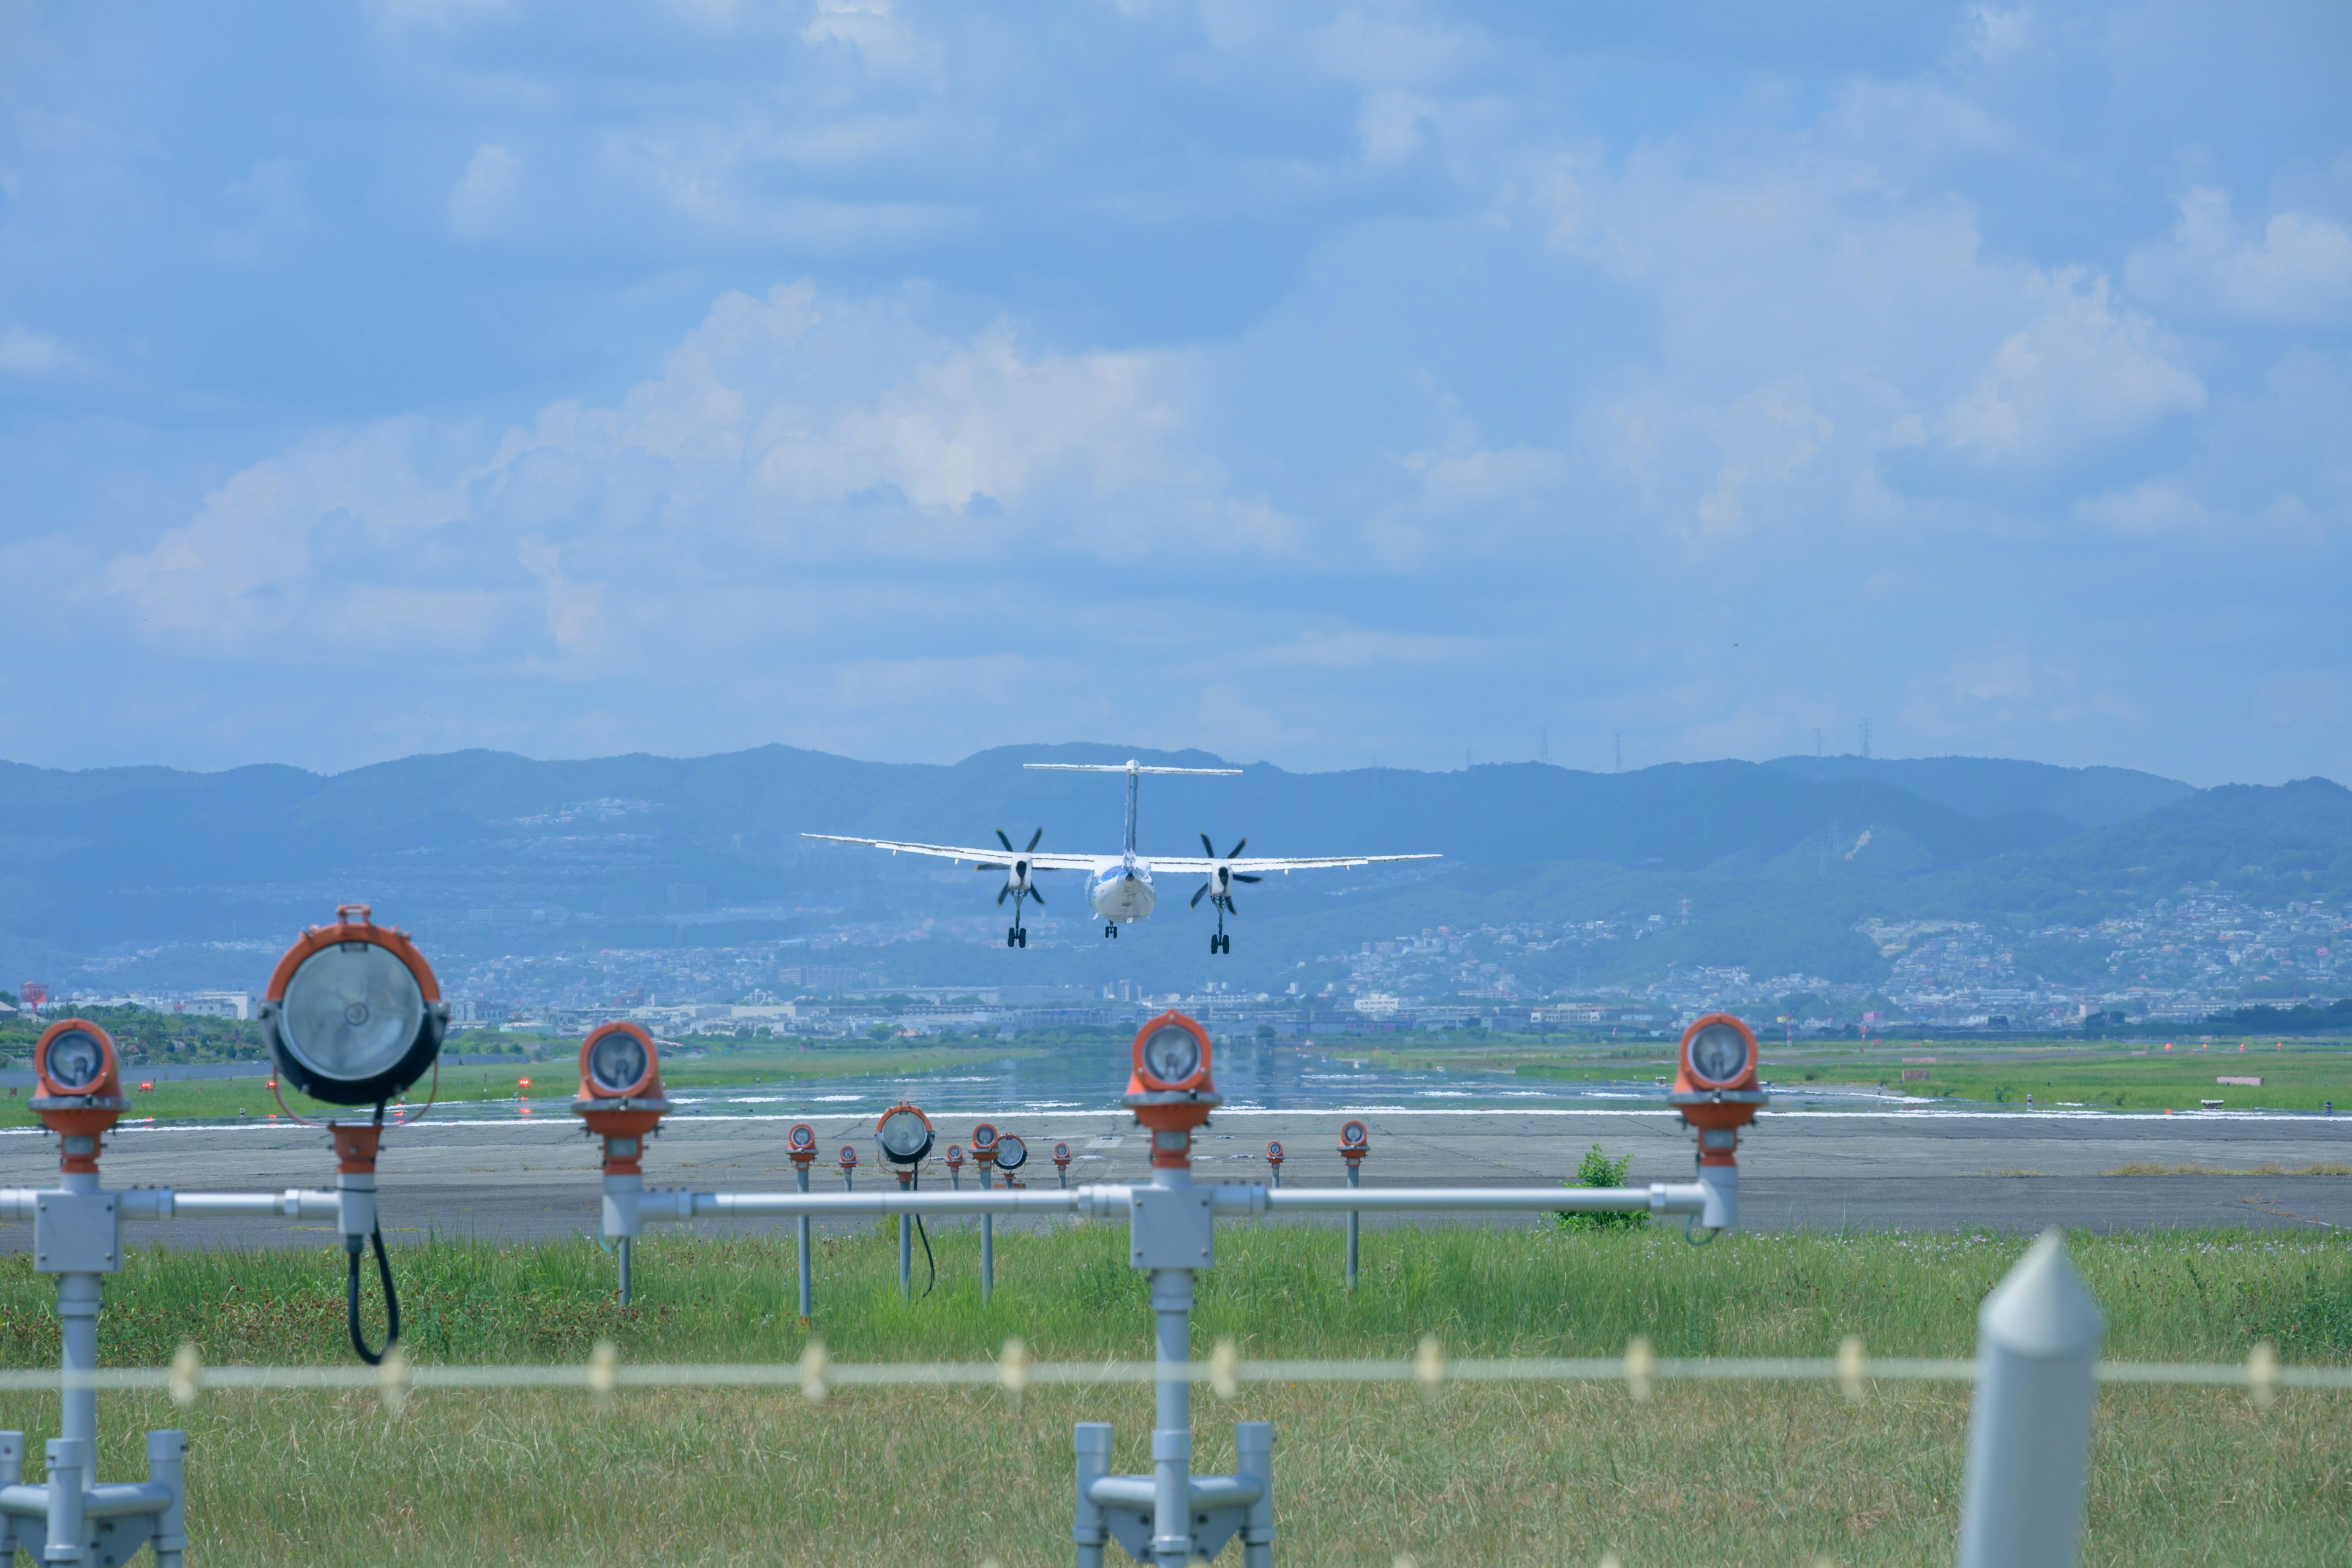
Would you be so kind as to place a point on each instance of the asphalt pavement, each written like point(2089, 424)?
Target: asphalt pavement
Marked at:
point(1916, 1170)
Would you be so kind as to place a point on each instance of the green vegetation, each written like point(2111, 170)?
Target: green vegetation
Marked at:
point(1524, 1474)
point(2297, 1074)
point(1598, 1170)
point(553, 1081)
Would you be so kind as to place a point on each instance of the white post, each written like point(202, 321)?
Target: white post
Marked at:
point(2030, 1424)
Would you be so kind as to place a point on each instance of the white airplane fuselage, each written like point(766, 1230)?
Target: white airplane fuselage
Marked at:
point(1122, 894)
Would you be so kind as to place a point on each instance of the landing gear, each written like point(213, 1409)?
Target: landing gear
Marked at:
point(1017, 934)
point(1221, 942)
point(1111, 931)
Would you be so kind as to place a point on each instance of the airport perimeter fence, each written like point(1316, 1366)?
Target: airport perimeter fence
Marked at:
point(2022, 1496)
point(815, 1375)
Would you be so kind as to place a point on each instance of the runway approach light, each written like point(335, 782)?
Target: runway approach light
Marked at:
point(1355, 1142)
point(80, 1093)
point(1011, 1151)
point(1274, 1159)
point(1715, 1088)
point(983, 1148)
point(848, 1164)
point(620, 1093)
point(1169, 1090)
point(903, 1133)
point(955, 1164)
point(353, 1014)
point(800, 1144)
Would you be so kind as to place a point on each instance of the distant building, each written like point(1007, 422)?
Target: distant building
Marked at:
point(218, 1004)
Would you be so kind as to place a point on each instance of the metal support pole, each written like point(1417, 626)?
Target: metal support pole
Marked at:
point(1171, 1431)
point(987, 1238)
point(1355, 1179)
point(620, 1252)
point(167, 1455)
point(77, 1296)
point(70, 1459)
point(801, 1169)
point(1092, 1441)
point(2030, 1426)
point(905, 1242)
point(1254, 1456)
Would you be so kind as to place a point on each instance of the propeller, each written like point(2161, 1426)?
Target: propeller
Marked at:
point(1222, 877)
point(1017, 872)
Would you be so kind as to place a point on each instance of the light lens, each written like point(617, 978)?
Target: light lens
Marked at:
point(903, 1136)
point(617, 1062)
point(1171, 1054)
point(1273, 1150)
point(1012, 1153)
point(983, 1136)
point(75, 1060)
point(803, 1136)
point(1719, 1053)
point(1352, 1133)
point(351, 1011)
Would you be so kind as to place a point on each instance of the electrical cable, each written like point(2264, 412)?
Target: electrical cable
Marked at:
point(383, 1273)
point(391, 1302)
point(929, 1261)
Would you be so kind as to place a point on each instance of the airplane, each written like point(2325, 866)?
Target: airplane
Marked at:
point(1119, 887)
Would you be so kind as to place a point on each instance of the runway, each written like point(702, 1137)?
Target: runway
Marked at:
point(1807, 1170)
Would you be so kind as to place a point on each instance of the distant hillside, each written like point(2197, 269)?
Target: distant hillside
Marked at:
point(489, 852)
point(1990, 787)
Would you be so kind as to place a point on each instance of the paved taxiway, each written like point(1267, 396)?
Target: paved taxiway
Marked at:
point(1923, 1170)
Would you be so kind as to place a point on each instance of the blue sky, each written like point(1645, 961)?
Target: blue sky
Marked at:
point(1313, 382)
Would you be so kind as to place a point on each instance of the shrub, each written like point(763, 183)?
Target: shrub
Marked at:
point(1598, 1170)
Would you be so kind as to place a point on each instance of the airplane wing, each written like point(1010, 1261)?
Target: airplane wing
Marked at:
point(995, 858)
point(1255, 866)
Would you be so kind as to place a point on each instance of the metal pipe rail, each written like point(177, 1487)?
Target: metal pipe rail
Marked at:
point(682, 1205)
point(164, 1202)
point(1658, 1197)
point(1227, 1198)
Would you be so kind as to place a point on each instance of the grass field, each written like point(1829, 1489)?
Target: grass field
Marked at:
point(1522, 1474)
point(554, 1083)
point(2296, 1075)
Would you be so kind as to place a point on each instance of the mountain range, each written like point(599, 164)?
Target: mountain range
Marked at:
point(1782, 863)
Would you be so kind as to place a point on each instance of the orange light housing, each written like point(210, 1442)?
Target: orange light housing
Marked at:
point(1145, 1080)
point(81, 1098)
point(614, 1072)
point(621, 1093)
point(385, 1072)
point(1715, 1086)
point(1694, 1071)
point(800, 1144)
point(1169, 1089)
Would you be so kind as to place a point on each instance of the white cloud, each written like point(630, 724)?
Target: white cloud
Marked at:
point(484, 196)
point(2080, 377)
point(2297, 272)
point(872, 27)
point(31, 355)
point(797, 429)
point(1767, 437)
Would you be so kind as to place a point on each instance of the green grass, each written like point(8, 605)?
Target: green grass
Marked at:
point(1513, 1475)
point(2129, 1076)
point(554, 1083)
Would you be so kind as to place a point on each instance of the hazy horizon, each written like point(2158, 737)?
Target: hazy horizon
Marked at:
point(1126, 748)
